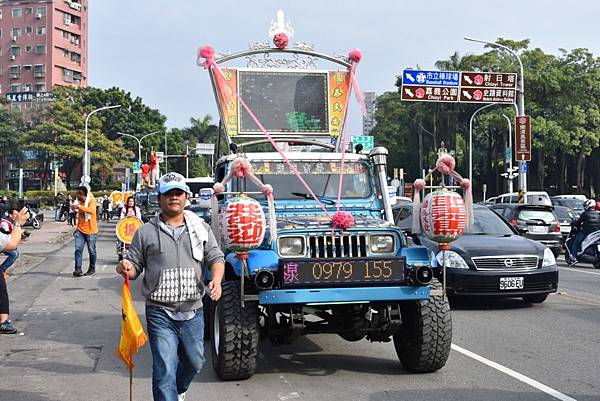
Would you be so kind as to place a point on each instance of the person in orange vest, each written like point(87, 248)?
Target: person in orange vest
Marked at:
point(86, 230)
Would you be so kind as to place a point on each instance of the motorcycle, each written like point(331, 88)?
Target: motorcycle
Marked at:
point(590, 249)
point(33, 221)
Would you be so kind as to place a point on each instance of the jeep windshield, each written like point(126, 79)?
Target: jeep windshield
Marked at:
point(321, 177)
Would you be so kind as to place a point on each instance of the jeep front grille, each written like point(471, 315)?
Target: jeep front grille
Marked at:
point(337, 246)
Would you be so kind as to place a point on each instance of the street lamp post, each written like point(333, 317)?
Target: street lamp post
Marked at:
point(520, 104)
point(86, 178)
point(139, 141)
point(471, 138)
point(510, 167)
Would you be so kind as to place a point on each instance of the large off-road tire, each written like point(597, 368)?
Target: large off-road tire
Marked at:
point(535, 298)
point(234, 334)
point(424, 340)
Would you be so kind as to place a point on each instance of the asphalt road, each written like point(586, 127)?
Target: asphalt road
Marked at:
point(503, 350)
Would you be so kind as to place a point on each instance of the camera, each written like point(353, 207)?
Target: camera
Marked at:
point(25, 235)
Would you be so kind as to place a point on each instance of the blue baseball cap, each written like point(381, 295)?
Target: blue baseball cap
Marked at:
point(171, 181)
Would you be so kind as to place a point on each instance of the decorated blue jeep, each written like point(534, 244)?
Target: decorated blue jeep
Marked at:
point(323, 254)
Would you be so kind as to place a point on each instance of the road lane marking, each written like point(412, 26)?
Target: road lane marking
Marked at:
point(512, 373)
point(578, 271)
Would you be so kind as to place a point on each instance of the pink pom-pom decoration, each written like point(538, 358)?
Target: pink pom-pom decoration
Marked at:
point(207, 52)
point(241, 168)
point(218, 188)
point(342, 220)
point(465, 183)
point(281, 40)
point(419, 184)
point(445, 164)
point(355, 55)
point(267, 190)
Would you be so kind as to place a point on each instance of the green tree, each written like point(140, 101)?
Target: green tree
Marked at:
point(11, 129)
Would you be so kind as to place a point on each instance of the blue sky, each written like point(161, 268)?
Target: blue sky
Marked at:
point(148, 47)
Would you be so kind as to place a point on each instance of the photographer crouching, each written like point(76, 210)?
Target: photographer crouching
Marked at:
point(9, 242)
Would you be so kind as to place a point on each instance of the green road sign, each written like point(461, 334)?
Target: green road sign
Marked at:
point(367, 141)
point(137, 167)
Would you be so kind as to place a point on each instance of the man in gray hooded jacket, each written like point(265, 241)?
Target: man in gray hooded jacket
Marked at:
point(170, 250)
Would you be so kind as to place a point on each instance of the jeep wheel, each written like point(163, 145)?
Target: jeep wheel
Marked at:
point(535, 299)
point(234, 334)
point(423, 342)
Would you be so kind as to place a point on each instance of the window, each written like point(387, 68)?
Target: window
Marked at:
point(0, 32)
point(17, 12)
point(40, 30)
point(40, 87)
point(14, 72)
point(15, 87)
point(27, 67)
point(76, 57)
point(28, 11)
point(67, 19)
point(40, 49)
point(15, 51)
point(0, 13)
point(41, 11)
point(28, 49)
point(26, 87)
point(29, 30)
point(39, 71)
point(0, 52)
point(15, 32)
point(67, 75)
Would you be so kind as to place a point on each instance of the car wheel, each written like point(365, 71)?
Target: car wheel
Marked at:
point(556, 252)
point(535, 299)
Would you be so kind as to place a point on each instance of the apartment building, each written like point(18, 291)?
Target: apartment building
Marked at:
point(43, 43)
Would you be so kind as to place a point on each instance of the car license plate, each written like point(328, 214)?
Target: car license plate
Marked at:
point(538, 229)
point(511, 283)
point(341, 271)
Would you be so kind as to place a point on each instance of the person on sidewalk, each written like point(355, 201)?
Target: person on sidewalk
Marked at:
point(86, 230)
point(6, 227)
point(73, 211)
point(105, 208)
point(171, 250)
point(9, 242)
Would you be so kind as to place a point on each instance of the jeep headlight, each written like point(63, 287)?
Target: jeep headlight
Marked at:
point(382, 243)
point(291, 246)
point(453, 260)
point(549, 259)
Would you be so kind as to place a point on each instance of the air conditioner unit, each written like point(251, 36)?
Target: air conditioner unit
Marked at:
point(73, 39)
point(38, 16)
point(76, 41)
point(13, 57)
point(67, 22)
point(14, 38)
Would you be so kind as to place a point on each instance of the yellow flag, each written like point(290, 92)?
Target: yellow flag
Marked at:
point(133, 336)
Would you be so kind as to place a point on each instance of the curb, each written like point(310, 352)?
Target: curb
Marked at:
point(23, 262)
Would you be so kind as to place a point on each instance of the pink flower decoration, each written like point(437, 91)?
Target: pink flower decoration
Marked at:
point(218, 188)
point(355, 55)
point(342, 220)
point(281, 40)
point(207, 52)
point(241, 168)
point(419, 184)
point(445, 164)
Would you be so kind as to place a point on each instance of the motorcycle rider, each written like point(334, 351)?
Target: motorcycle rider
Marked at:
point(588, 222)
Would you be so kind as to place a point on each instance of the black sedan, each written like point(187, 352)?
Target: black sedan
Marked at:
point(491, 259)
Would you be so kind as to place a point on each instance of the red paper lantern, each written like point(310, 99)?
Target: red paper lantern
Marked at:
point(242, 224)
point(443, 216)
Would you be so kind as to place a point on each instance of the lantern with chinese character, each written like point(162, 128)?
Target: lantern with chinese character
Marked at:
point(127, 227)
point(243, 224)
point(443, 216)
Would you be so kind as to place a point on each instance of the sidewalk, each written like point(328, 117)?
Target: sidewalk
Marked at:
point(48, 239)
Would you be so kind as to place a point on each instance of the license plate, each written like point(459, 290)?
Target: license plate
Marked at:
point(511, 283)
point(341, 271)
point(538, 229)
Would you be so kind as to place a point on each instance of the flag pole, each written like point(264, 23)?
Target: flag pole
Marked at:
point(130, 383)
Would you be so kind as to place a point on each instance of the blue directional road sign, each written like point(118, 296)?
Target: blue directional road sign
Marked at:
point(431, 78)
point(524, 167)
